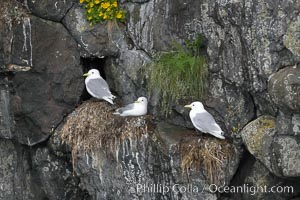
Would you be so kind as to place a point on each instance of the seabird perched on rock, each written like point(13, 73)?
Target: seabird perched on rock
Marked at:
point(97, 86)
point(203, 120)
point(138, 108)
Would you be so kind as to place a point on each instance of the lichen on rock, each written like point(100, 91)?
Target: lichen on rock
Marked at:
point(284, 89)
point(292, 38)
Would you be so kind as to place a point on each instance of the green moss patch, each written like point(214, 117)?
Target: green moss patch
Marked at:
point(179, 73)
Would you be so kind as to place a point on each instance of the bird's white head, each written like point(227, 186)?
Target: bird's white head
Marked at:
point(197, 105)
point(142, 100)
point(92, 73)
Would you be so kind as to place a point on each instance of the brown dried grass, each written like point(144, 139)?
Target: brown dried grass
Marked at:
point(92, 127)
point(208, 153)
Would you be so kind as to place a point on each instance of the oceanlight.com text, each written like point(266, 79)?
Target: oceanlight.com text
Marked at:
point(252, 190)
point(212, 188)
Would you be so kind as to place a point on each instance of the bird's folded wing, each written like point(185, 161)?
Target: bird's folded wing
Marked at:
point(98, 87)
point(205, 121)
point(126, 108)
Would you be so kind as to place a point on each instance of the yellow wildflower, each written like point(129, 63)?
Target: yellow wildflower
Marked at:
point(119, 15)
point(108, 9)
point(115, 4)
point(100, 14)
point(91, 4)
point(105, 17)
point(89, 18)
point(105, 5)
point(81, 1)
point(97, 1)
point(89, 10)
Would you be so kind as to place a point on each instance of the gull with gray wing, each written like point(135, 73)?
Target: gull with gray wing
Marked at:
point(97, 86)
point(203, 120)
point(138, 108)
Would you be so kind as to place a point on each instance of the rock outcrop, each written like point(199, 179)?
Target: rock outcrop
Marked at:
point(254, 94)
point(139, 158)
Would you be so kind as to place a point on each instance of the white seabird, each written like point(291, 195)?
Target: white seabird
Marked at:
point(97, 86)
point(203, 120)
point(138, 108)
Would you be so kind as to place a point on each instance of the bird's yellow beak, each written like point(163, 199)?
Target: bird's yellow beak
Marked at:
point(188, 106)
point(137, 101)
point(86, 74)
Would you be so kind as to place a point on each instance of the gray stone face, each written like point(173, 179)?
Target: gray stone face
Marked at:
point(288, 124)
point(287, 152)
point(130, 68)
point(99, 40)
point(279, 153)
point(291, 38)
point(261, 181)
point(258, 137)
point(15, 38)
point(53, 85)
point(143, 160)
point(241, 40)
point(6, 116)
point(50, 10)
point(35, 174)
point(284, 88)
point(253, 53)
point(55, 175)
point(231, 105)
point(156, 25)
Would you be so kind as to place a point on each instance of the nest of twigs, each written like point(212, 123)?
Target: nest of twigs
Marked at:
point(92, 127)
point(207, 153)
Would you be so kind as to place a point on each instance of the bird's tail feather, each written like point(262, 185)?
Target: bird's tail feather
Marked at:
point(116, 113)
point(218, 135)
point(108, 100)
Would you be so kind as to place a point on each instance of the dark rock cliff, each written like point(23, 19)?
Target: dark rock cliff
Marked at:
point(253, 49)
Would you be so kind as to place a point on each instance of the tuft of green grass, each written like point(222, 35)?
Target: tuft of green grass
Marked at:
point(178, 74)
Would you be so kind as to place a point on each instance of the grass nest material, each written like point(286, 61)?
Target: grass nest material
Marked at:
point(93, 127)
point(211, 155)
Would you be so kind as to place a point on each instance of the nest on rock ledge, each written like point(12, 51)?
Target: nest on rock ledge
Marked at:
point(93, 127)
point(209, 153)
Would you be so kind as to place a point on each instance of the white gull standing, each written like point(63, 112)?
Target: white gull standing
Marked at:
point(138, 108)
point(97, 86)
point(203, 120)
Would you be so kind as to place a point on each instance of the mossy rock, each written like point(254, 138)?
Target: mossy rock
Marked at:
point(258, 136)
point(291, 39)
point(284, 89)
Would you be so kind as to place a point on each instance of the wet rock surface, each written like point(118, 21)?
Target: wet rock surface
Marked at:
point(284, 88)
point(130, 68)
point(279, 153)
point(50, 10)
point(262, 184)
point(253, 51)
point(139, 158)
point(51, 88)
point(33, 173)
point(97, 40)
